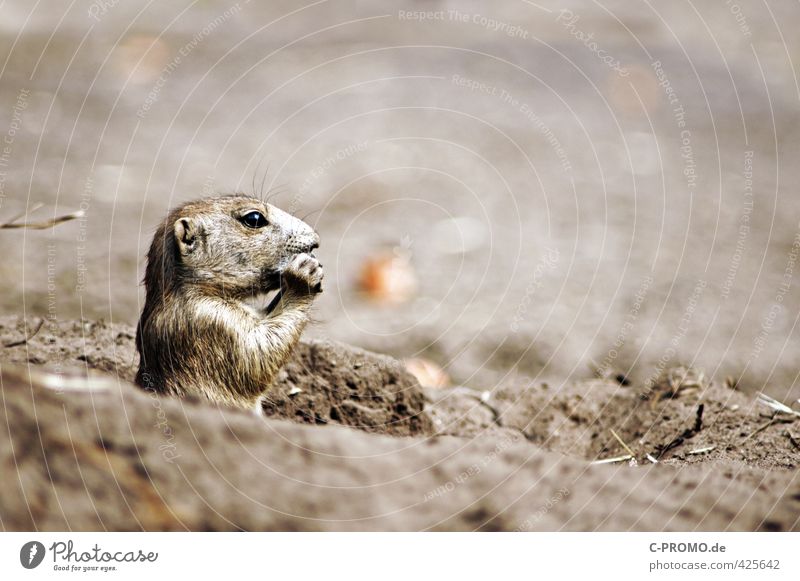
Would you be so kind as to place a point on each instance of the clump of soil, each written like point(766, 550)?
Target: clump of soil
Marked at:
point(327, 382)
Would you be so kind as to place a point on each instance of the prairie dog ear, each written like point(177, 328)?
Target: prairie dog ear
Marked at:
point(186, 232)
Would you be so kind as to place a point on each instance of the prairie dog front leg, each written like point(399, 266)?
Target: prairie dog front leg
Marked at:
point(287, 314)
point(301, 281)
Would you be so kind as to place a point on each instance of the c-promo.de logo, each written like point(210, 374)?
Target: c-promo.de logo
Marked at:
point(31, 554)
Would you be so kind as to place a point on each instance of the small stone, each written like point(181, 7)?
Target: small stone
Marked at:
point(388, 278)
point(428, 374)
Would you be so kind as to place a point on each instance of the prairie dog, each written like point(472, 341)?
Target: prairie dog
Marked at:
point(198, 335)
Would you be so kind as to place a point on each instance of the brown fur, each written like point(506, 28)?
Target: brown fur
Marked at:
point(197, 334)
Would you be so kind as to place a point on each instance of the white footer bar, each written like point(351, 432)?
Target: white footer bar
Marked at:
point(400, 556)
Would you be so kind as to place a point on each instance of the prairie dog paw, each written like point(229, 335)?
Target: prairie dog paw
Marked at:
point(304, 274)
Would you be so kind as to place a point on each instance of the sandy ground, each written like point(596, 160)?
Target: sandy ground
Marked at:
point(100, 453)
point(561, 213)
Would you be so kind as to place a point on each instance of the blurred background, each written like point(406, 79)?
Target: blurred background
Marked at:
point(511, 191)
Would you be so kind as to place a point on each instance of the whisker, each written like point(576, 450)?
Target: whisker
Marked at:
point(277, 190)
point(253, 181)
point(311, 214)
point(263, 181)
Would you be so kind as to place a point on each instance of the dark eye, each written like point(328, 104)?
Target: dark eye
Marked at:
point(254, 220)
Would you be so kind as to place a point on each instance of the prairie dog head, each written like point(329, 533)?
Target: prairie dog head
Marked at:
point(235, 246)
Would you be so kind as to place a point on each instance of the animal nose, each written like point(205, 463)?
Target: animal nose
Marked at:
point(313, 243)
point(305, 244)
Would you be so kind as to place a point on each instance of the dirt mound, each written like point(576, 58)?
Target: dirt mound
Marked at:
point(327, 382)
point(117, 458)
point(324, 382)
point(64, 345)
point(693, 424)
point(100, 453)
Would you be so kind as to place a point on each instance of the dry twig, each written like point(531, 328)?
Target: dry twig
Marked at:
point(615, 459)
point(685, 435)
point(11, 224)
point(775, 405)
point(624, 445)
point(27, 338)
point(702, 450)
point(773, 420)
